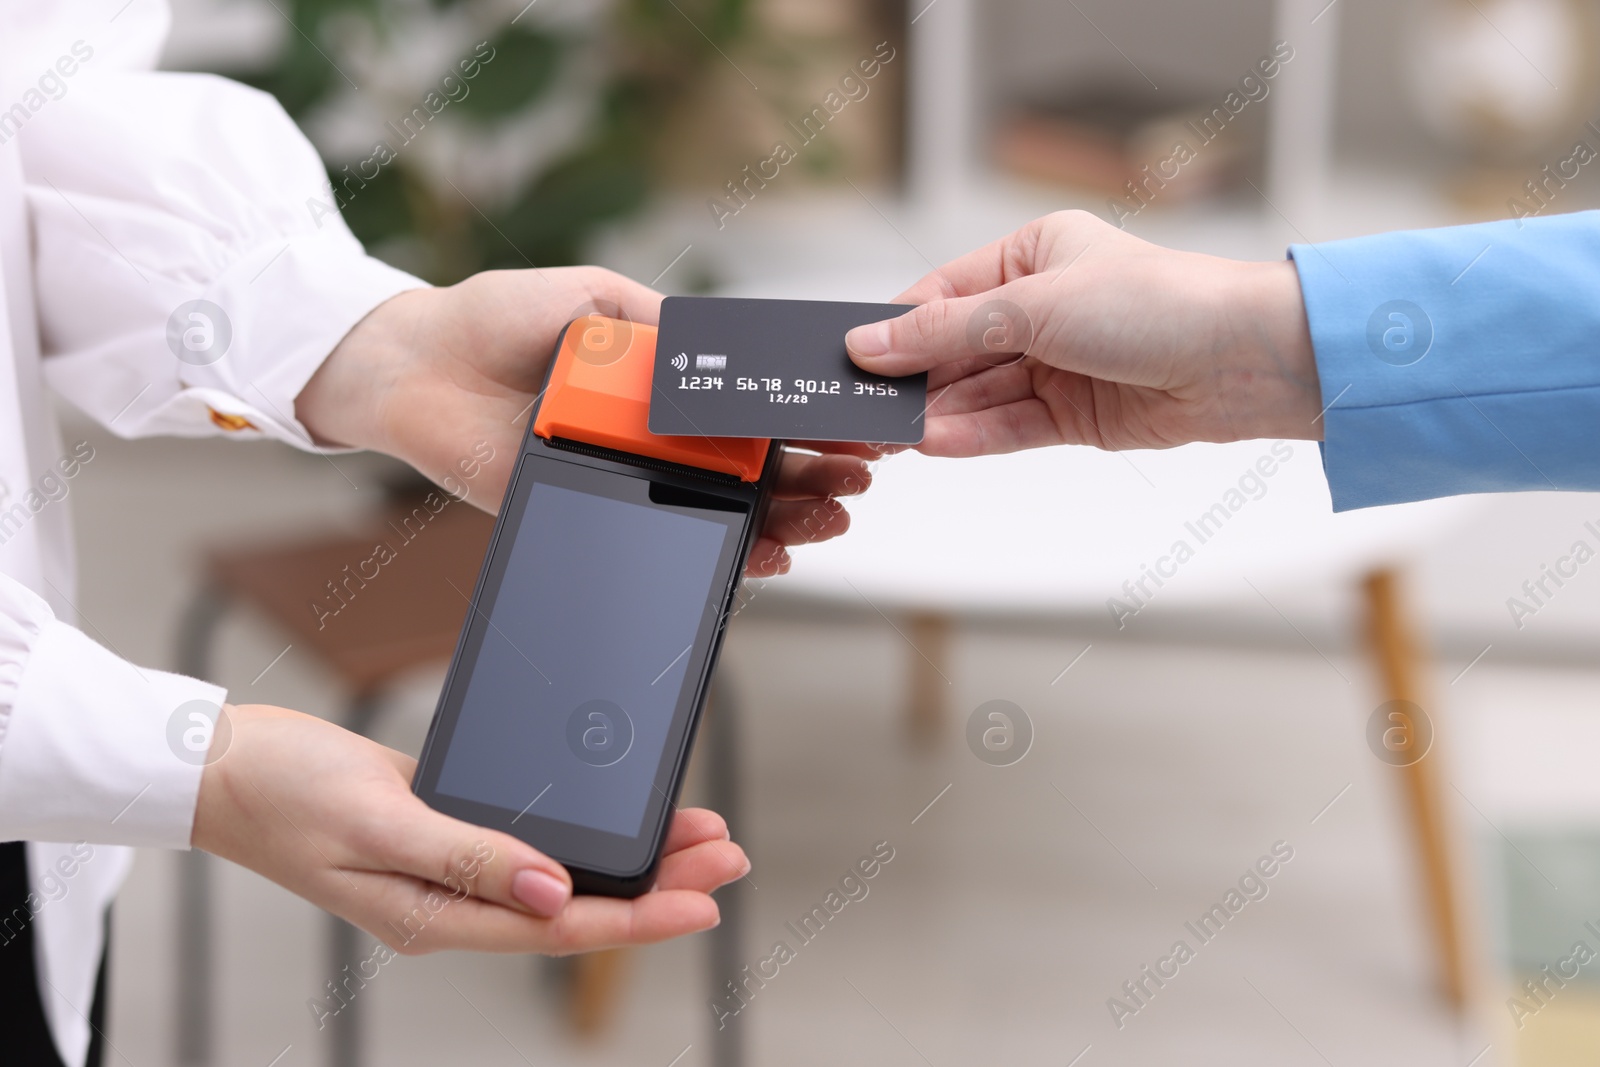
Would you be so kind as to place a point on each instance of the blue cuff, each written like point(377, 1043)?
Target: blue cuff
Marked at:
point(1459, 360)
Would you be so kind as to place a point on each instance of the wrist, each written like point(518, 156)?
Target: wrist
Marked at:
point(216, 828)
point(214, 787)
point(346, 401)
point(1275, 391)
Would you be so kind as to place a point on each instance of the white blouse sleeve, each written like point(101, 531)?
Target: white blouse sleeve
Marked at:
point(191, 273)
point(93, 748)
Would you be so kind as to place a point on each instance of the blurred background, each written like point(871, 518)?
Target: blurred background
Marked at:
point(1358, 692)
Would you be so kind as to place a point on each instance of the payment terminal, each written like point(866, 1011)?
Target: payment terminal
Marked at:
point(579, 678)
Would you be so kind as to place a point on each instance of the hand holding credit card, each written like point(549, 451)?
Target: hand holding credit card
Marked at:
point(736, 367)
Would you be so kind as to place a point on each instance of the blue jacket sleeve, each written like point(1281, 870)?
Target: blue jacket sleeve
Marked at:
point(1459, 360)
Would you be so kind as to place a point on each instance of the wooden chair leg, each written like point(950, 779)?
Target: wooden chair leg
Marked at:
point(597, 979)
point(1400, 660)
point(928, 695)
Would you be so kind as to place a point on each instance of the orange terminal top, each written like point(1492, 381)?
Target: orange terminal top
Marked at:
point(599, 394)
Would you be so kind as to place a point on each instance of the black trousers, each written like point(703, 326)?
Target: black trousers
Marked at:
point(24, 1034)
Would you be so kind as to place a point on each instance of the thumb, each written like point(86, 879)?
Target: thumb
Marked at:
point(633, 301)
point(988, 326)
point(469, 860)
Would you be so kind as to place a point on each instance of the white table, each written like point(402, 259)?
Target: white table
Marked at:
point(1070, 528)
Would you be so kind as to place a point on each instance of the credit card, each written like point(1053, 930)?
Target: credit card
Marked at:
point(735, 367)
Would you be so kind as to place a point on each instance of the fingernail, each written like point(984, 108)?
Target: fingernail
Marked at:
point(543, 894)
point(856, 484)
point(869, 340)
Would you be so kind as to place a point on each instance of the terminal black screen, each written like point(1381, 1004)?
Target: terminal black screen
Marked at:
point(582, 661)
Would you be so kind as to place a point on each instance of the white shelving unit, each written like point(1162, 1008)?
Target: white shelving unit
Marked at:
point(871, 243)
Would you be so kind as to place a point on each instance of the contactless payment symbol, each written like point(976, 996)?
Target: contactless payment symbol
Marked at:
point(599, 733)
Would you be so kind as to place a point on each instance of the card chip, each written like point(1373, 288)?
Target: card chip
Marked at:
point(706, 361)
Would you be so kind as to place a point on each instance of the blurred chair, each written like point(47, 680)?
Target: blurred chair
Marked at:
point(377, 622)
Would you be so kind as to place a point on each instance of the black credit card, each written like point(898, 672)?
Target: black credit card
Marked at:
point(734, 367)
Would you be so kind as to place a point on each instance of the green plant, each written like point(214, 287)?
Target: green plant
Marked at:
point(653, 53)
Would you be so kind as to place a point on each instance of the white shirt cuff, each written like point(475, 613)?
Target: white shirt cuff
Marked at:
point(322, 286)
point(96, 749)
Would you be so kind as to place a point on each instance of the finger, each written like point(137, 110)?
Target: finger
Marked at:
point(691, 826)
point(413, 917)
point(863, 449)
point(801, 476)
point(992, 431)
point(633, 301)
point(703, 867)
point(768, 559)
point(947, 373)
point(989, 387)
point(591, 923)
point(799, 522)
point(943, 331)
point(414, 839)
point(980, 270)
